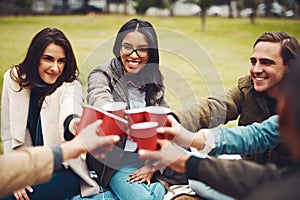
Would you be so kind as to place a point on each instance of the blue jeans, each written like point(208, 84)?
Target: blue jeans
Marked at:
point(62, 185)
point(104, 194)
point(204, 190)
point(125, 190)
point(207, 192)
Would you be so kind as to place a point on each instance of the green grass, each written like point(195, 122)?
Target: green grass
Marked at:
point(194, 63)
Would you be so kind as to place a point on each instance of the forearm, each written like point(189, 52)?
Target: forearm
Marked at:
point(186, 138)
point(72, 149)
point(27, 166)
point(235, 178)
point(98, 97)
point(99, 92)
point(244, 140)
point(211, 112)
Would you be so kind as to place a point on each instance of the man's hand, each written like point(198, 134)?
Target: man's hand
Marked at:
point(169, 155)
point(180, 135)
point(89, 140)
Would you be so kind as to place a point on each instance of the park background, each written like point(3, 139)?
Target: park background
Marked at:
point(226, 42)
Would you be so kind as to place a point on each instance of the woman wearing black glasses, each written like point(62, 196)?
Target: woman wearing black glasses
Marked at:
point(133, 77)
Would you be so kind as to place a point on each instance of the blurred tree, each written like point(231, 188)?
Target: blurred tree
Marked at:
point(85, 7)
point(119, 2)
point(106, 10)
point(142, 5)
point(204, 5)
point(268, 8)
point(4, 4)
point(23, 6)
point(225, 2)
point(220, 2)
point(66, 9)
point(297, 8)
point(230, 9)
point(125, 7)
point(171, 6)
point(253, 4)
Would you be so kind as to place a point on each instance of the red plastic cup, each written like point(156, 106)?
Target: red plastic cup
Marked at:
point(145, 135)
point(157, 114)
point(89, 115)
point(116, 108)
point(136, 115)
point(113, 125)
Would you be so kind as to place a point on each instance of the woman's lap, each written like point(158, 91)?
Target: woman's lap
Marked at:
point(105, 194)
point(126, 190)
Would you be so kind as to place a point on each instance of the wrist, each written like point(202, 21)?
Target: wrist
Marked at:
point(209, 141)
point(185, 138)
point(72, 149)
point(199, 140)
point(183, 162)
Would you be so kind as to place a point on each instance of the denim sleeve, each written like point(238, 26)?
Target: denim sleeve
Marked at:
point(243, 140)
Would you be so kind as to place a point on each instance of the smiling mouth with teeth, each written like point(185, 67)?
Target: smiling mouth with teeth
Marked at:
point(133, 64)
point(259, 78)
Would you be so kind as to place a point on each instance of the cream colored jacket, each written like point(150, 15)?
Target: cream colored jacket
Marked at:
point(65, 101)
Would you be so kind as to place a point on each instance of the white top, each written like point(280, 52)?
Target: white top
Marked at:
point(137, 100)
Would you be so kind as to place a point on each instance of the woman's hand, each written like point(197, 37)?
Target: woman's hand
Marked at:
point(142, 175)
point(22, 194)
point(73, 125)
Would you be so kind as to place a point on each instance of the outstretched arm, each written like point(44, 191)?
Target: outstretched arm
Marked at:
point(34, 165)
point(235, 178)
point(244, 140)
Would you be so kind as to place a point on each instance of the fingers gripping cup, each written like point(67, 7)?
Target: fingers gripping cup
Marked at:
point(158, 114)
point(136, 115)
point(113, 125)
point(145, 135)
point(116, 108)
point(89, 115)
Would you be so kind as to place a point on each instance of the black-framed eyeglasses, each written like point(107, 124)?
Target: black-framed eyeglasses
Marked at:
point(141, 52)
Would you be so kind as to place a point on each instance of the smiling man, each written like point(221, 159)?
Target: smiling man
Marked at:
point(253, 99)
point(243, 179)
point(267, 67)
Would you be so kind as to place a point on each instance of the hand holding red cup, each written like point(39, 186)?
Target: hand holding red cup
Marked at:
point(145, 135)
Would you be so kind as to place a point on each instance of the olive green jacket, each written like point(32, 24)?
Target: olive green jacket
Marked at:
point(240, 102)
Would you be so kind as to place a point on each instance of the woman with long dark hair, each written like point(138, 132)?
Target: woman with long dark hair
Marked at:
point(41, 101)
point(133, 77)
